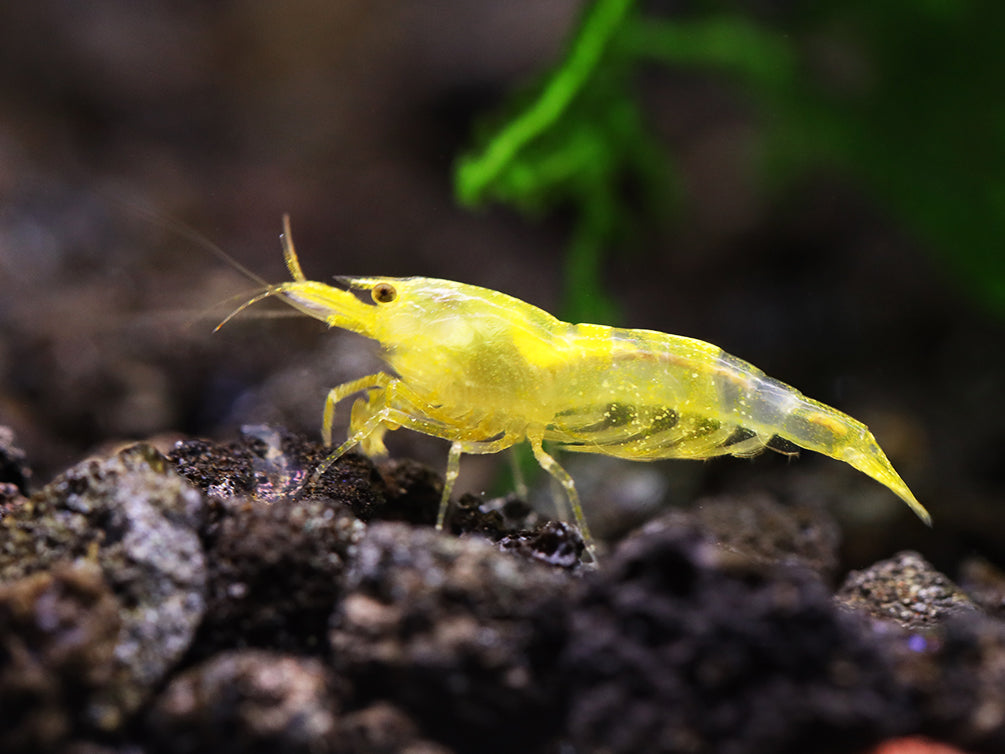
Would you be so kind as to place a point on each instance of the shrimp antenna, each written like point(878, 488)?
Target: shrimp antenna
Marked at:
point(289, 251)
point(189, 233)
point(271, 290)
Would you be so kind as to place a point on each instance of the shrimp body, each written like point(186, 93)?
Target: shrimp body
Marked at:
point(486, 371)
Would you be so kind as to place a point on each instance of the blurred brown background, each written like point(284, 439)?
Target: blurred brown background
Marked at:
point(349, 115)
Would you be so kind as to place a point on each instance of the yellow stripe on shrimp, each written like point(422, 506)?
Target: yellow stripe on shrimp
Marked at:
point(485, 371)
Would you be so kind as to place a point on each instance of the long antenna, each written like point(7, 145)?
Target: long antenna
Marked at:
point(191, 234)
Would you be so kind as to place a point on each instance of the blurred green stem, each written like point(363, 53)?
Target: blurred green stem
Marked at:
point(475, 174)
point(730, 43)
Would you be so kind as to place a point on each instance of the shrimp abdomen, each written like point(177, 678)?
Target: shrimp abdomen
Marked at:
point(818, 427)
point(664, 396)
point(769, 407)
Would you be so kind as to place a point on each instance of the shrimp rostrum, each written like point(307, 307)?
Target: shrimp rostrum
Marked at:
point(485, 371)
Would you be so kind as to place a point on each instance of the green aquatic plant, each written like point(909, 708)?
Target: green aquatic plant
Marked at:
point(916, 117)
point(575, 141)
point(579, 140)
point(900, 97)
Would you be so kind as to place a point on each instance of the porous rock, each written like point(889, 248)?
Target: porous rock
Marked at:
point(14, 469)
point(138, 521)
point(276, 571)
point(955, 672)
point(247, 702)
point(678, 645)
point(457, 633)
point(905, 589)
point(759, 527)
point(383, 728)
point(58, 632)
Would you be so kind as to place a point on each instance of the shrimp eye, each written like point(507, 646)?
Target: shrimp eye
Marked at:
point(384, 293)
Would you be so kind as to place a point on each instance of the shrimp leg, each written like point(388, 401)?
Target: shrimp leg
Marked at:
point(369, 420)
point(378, 422)
point(338, 393)
point(562, 476)
point(392, 391)
point(380, 384)
point(457, 448)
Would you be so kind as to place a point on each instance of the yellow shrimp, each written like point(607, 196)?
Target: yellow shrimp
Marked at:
point(486, 371)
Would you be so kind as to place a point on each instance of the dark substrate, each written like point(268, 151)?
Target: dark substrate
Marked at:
point(215, 599)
